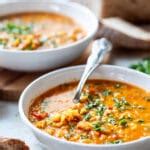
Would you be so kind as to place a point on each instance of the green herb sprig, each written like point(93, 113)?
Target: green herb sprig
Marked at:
point(142, 66)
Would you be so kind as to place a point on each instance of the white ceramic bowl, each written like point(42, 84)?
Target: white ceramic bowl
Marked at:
point(48, 58)
point(56, 78)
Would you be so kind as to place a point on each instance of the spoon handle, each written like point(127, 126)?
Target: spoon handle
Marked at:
point(99, 48)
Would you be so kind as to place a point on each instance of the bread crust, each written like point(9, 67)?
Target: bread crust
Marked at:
point(12, 144)
point(120, 39)
point(131, 10)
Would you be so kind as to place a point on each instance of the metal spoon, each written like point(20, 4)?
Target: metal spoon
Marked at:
point(99, 49)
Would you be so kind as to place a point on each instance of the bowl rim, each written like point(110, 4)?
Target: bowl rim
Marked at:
point(68, 4)
point(35, 129)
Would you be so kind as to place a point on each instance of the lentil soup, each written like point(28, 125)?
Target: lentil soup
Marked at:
point(108, 112)
point(38, 30)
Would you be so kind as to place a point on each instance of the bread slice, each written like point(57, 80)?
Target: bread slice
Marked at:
point(124, 34)
point(12, 144)
point(131, 10)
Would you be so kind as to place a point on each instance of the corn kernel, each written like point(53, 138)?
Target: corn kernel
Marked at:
point(41, 124)
point(50, 131)
point(84, 125)
point(56, 118)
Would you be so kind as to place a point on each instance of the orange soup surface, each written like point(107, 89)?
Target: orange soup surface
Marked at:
point(108, 112)
point(38, 30)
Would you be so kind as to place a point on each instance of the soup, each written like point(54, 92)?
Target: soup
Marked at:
point(108, 112)
point(31, 31)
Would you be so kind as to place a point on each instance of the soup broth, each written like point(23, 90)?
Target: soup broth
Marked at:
point(31, 31)
point(108, 112)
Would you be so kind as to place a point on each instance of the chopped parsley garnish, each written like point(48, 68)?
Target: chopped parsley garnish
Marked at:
point(121, 103)
point(90, 97)
point(13, 28)
point(101, 109)
point(106, 92)
point(87, 117)
point(123, 122)
point(93, 104)
point(112, 120)
point(116, 142)
point(97, 126)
